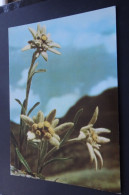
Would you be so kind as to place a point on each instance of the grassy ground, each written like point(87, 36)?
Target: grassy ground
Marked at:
point(105, 179)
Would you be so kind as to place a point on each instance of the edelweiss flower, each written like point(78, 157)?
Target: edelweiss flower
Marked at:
point(93, 140)
point(45, 128)
point(42, 42)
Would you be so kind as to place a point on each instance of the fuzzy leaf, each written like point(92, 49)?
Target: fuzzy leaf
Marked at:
point(19, 102)
point(40, 70)
point(68, 134)
point(22, 160)
point(95, 116)
point(32, 71)
point(51, 116)
point(35, 105)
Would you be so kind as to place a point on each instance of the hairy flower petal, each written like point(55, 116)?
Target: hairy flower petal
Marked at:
point(51, 116)
point(55, 123)
point(44, 55)
point(27, 120)
point(102, 130)
point(91, 151)
point(81, 135)
point(95, 116)
point(102, 140)
point(54, 45)
point(30, 135)
point(54, 51)
point(63, 127)
point(27, 47)
point(96, 162)
point(99, 156)
point(56, 136)
point(43, 30)
point(40, 117)
point(85, 128)
point(33, 32)
point(38, 29)
point(54, 142)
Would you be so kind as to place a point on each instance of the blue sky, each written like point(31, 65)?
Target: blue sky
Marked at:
point(87, 64)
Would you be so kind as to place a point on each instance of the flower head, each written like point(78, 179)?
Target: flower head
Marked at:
point(41, 127)
point(93, 140)
point(41, 42)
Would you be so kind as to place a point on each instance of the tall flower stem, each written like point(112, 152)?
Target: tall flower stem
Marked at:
point(34, 57)
point(25, 105)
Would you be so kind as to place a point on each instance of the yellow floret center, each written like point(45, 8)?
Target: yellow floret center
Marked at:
point(43, 129)
point(94, 136)
point(44, 37)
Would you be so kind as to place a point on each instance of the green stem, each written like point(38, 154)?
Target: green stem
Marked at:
point(29, 80)
point(25, 104)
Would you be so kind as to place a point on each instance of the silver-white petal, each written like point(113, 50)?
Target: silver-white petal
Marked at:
point(27, 47)
point(33, 32)
point(96, 162)
point(38, 28)
point(44, 55)
point(40, 117)
point(54, 51)
point(30, 135)
point(85, 128)
point(53, 141)
point(81, 135)
point(27, 120)
point(95, 116)
point(54, 45)
point(51, 116)
point(56, 136)
point(102, 140)
point(91, 151)
point(43, 30)
point(55, 123)
point(99, 156)
point(63, 127)
point(101, 130)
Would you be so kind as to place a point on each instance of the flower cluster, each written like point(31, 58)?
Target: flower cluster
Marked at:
point(41, 42)
point(41, 127)
point(92, 138)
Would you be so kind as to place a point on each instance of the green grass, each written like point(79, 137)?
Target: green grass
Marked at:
point(105, 179)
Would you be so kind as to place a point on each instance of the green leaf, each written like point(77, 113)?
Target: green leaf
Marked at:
point(19, 102)
point(35, 105)
point(32, 71)
point(22, 160)
point(14, 141)
point(75, 120)
point(53, 160)
point(40, 70)
point(43, 151)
